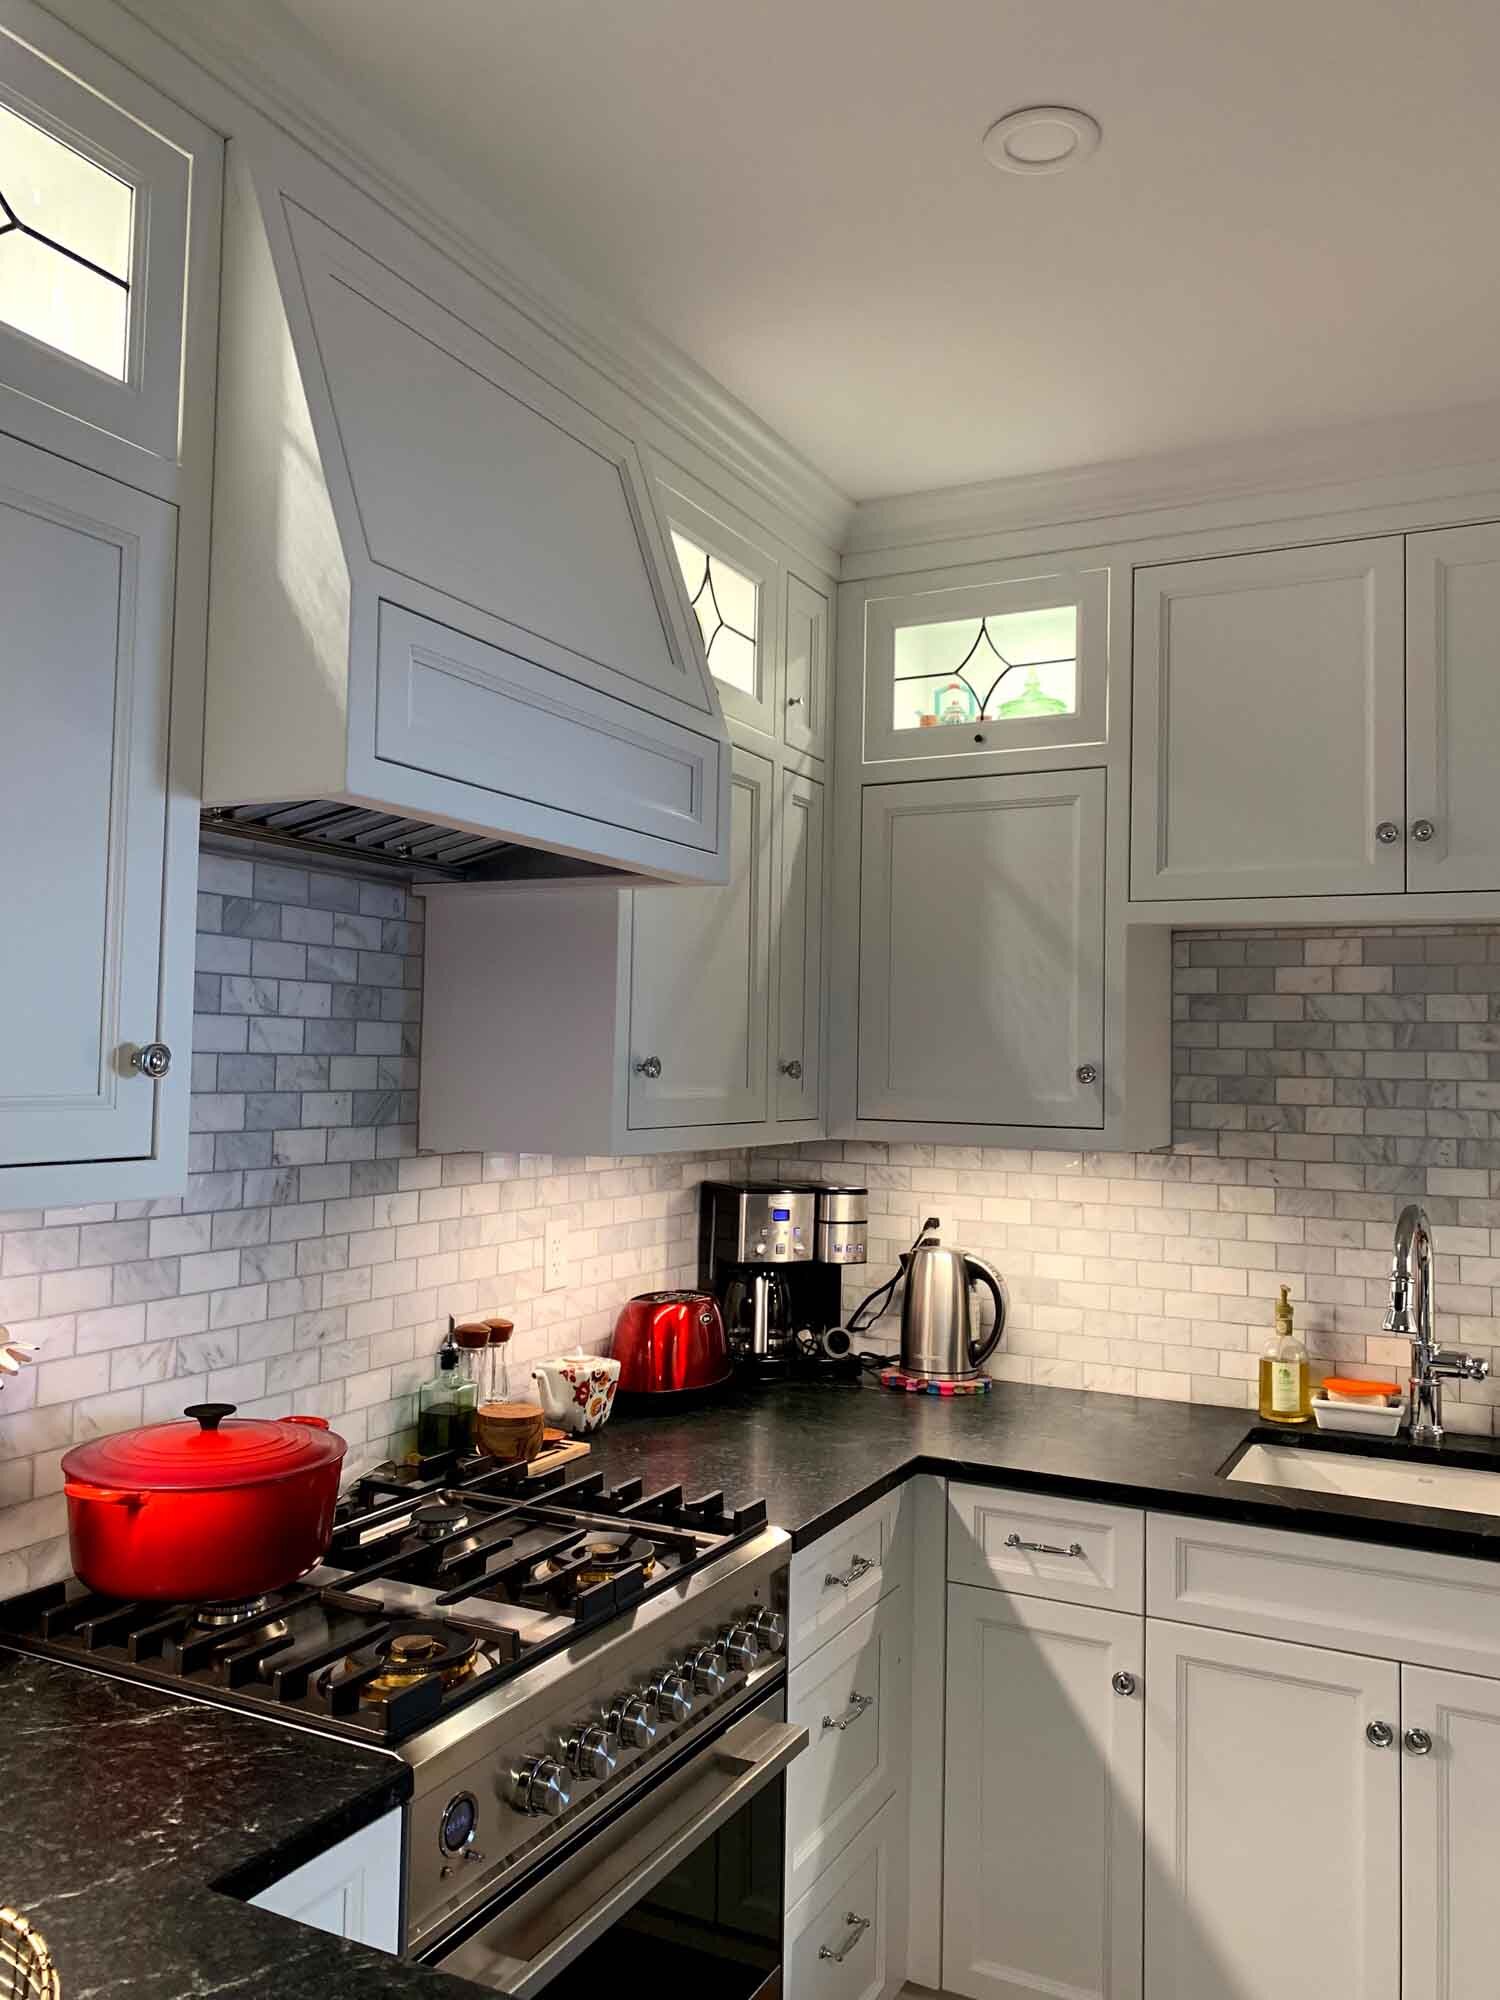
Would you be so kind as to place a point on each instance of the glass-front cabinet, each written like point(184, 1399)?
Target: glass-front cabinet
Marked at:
point(1018, 663)
point(734, 589)
point(93, 248)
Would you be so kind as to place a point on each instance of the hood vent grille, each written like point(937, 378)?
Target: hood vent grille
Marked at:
point(418, 848)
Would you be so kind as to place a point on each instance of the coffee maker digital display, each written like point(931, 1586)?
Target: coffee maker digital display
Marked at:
point(771, 1253)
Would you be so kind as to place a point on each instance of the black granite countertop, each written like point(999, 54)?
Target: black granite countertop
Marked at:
point(135, 1821)
point(125, 1810)
point(817, 1453)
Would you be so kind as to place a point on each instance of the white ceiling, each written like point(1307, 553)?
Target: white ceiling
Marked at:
point(1292, 219)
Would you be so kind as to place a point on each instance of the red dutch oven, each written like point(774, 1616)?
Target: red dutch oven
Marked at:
point(202, 1511)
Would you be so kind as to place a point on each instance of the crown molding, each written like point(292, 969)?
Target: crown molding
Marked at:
point(1388, 457)
point(698, 415)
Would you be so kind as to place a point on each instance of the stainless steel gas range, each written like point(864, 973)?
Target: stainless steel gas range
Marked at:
point(587, 1682)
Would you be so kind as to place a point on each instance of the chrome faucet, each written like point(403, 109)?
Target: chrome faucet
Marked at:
point(1410, 1312)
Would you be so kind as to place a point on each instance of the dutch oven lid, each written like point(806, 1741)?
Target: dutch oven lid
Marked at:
point(203, 1450)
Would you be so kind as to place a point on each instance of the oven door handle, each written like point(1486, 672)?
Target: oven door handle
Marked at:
point(647, 1843)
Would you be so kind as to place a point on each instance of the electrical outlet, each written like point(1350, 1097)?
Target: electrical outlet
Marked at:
point(555, 1257)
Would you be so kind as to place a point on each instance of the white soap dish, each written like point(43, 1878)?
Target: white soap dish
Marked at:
point(1384, 1420)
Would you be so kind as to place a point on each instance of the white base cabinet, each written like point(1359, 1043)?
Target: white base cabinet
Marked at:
point(1272, 1819)
point(1450, 1834)
point(1042, 1852)
point(846, 1938)
point(353, 1890)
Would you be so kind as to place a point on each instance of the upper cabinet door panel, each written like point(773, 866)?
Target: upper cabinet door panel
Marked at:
point(734, 589)
point(1267, 741)
point(982, 950)
point(86, 569)
point(799, 950)
point(980, 669)
point(451, 705)
point(1453, 708)
point(806, 704)
point(700, 979)
point(474, 476)
point(93, 256)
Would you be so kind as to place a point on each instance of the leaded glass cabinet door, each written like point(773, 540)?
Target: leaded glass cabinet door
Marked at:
point(734, 590)
point(93, 247)
point(980, 669)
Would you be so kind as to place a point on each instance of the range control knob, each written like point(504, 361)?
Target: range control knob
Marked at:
point(706, 1670)
point(632, 1721)
point(769, 1628)
point(670, 1695)
point(740, 1647)
point(589, 1749)
point(540, 1785)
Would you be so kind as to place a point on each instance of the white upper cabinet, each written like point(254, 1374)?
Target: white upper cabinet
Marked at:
point(797, 950)
point(1010, 664)
point(733, 588)
point(93, 245)
point(808, 686)
point(1268, 725)
point(86, 575)
point(981, 951)
point(442, 587)
point(1453, 709)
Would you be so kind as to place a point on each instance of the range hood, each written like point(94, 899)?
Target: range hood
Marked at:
point(446, 628)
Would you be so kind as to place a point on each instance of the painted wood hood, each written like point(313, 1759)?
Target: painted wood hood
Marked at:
point(445, 623)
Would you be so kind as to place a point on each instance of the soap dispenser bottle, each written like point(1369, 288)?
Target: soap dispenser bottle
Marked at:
point(1285, 1380)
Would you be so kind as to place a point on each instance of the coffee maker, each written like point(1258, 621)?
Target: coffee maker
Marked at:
point(773, 1253)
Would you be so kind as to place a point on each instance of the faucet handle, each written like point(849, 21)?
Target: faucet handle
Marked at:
point(1464, 1367)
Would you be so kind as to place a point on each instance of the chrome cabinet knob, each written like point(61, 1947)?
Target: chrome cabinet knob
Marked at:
point(153, 1059)
point(793, 1069)
point(632, 1721)
point(740, 1647)
point(1123, 1683)
point(1088, 1072)
point(770, 1628)
point(706, 1670)
point(540, 1785)
point(1387, 832)
point(648, 1066)
point(1422, 829)
point(589, 1749)
point(1418, 1742)
point(796, 701)
point(670, 1695)
point(1379, 1735)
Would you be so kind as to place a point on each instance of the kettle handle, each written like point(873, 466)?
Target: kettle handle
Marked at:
point(978, 1271)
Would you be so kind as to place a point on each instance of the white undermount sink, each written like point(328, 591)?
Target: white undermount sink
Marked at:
point(1463, 1487)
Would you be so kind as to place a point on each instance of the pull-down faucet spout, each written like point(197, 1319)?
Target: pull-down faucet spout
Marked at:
point(1411, 1312)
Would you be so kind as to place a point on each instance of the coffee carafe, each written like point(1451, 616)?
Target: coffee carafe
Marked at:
point(937, 1321)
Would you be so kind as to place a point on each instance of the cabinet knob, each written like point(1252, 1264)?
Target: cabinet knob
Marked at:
point(1418, 1742)
point(153, 1059)
point(793, 1069)
point(1422, 829)
point(1088, 1072)
point(1123, 1682)
point(648, 1066)
point(1379, 1735)
point(796, 701)
point(1387, 832)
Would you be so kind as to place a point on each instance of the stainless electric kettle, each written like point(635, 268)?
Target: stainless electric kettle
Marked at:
point(937, 1326)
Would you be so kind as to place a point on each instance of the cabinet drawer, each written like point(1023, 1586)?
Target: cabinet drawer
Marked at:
point(846, 1938)
point(852, 1699)
point(1398, 1604)
point(993, 1538)
point(837, 1578)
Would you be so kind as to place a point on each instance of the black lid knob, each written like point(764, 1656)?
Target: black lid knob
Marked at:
point(210, 1415)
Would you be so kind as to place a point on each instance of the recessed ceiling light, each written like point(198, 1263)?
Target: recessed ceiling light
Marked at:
point(1040, 139)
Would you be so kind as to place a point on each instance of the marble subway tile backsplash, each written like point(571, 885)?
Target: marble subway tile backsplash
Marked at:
point(1321, 1080)
point(313, 1259)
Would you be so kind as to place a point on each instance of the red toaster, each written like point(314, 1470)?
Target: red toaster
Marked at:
point(671, 1344)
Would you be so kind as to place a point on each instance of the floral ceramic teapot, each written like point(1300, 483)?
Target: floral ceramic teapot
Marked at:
point(577, 1391)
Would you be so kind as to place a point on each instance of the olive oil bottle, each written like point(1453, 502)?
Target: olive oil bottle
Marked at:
point(1285, 1379)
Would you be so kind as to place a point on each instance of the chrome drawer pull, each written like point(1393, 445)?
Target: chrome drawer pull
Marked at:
point(857, 1927)
point(1043, 1548)
point(861, 1566)
point(858, 1703)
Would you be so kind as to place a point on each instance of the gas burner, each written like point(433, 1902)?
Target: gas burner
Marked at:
point(411, 1652)
point(435, 1519)
point(232, 1613)
point(600, 1556)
